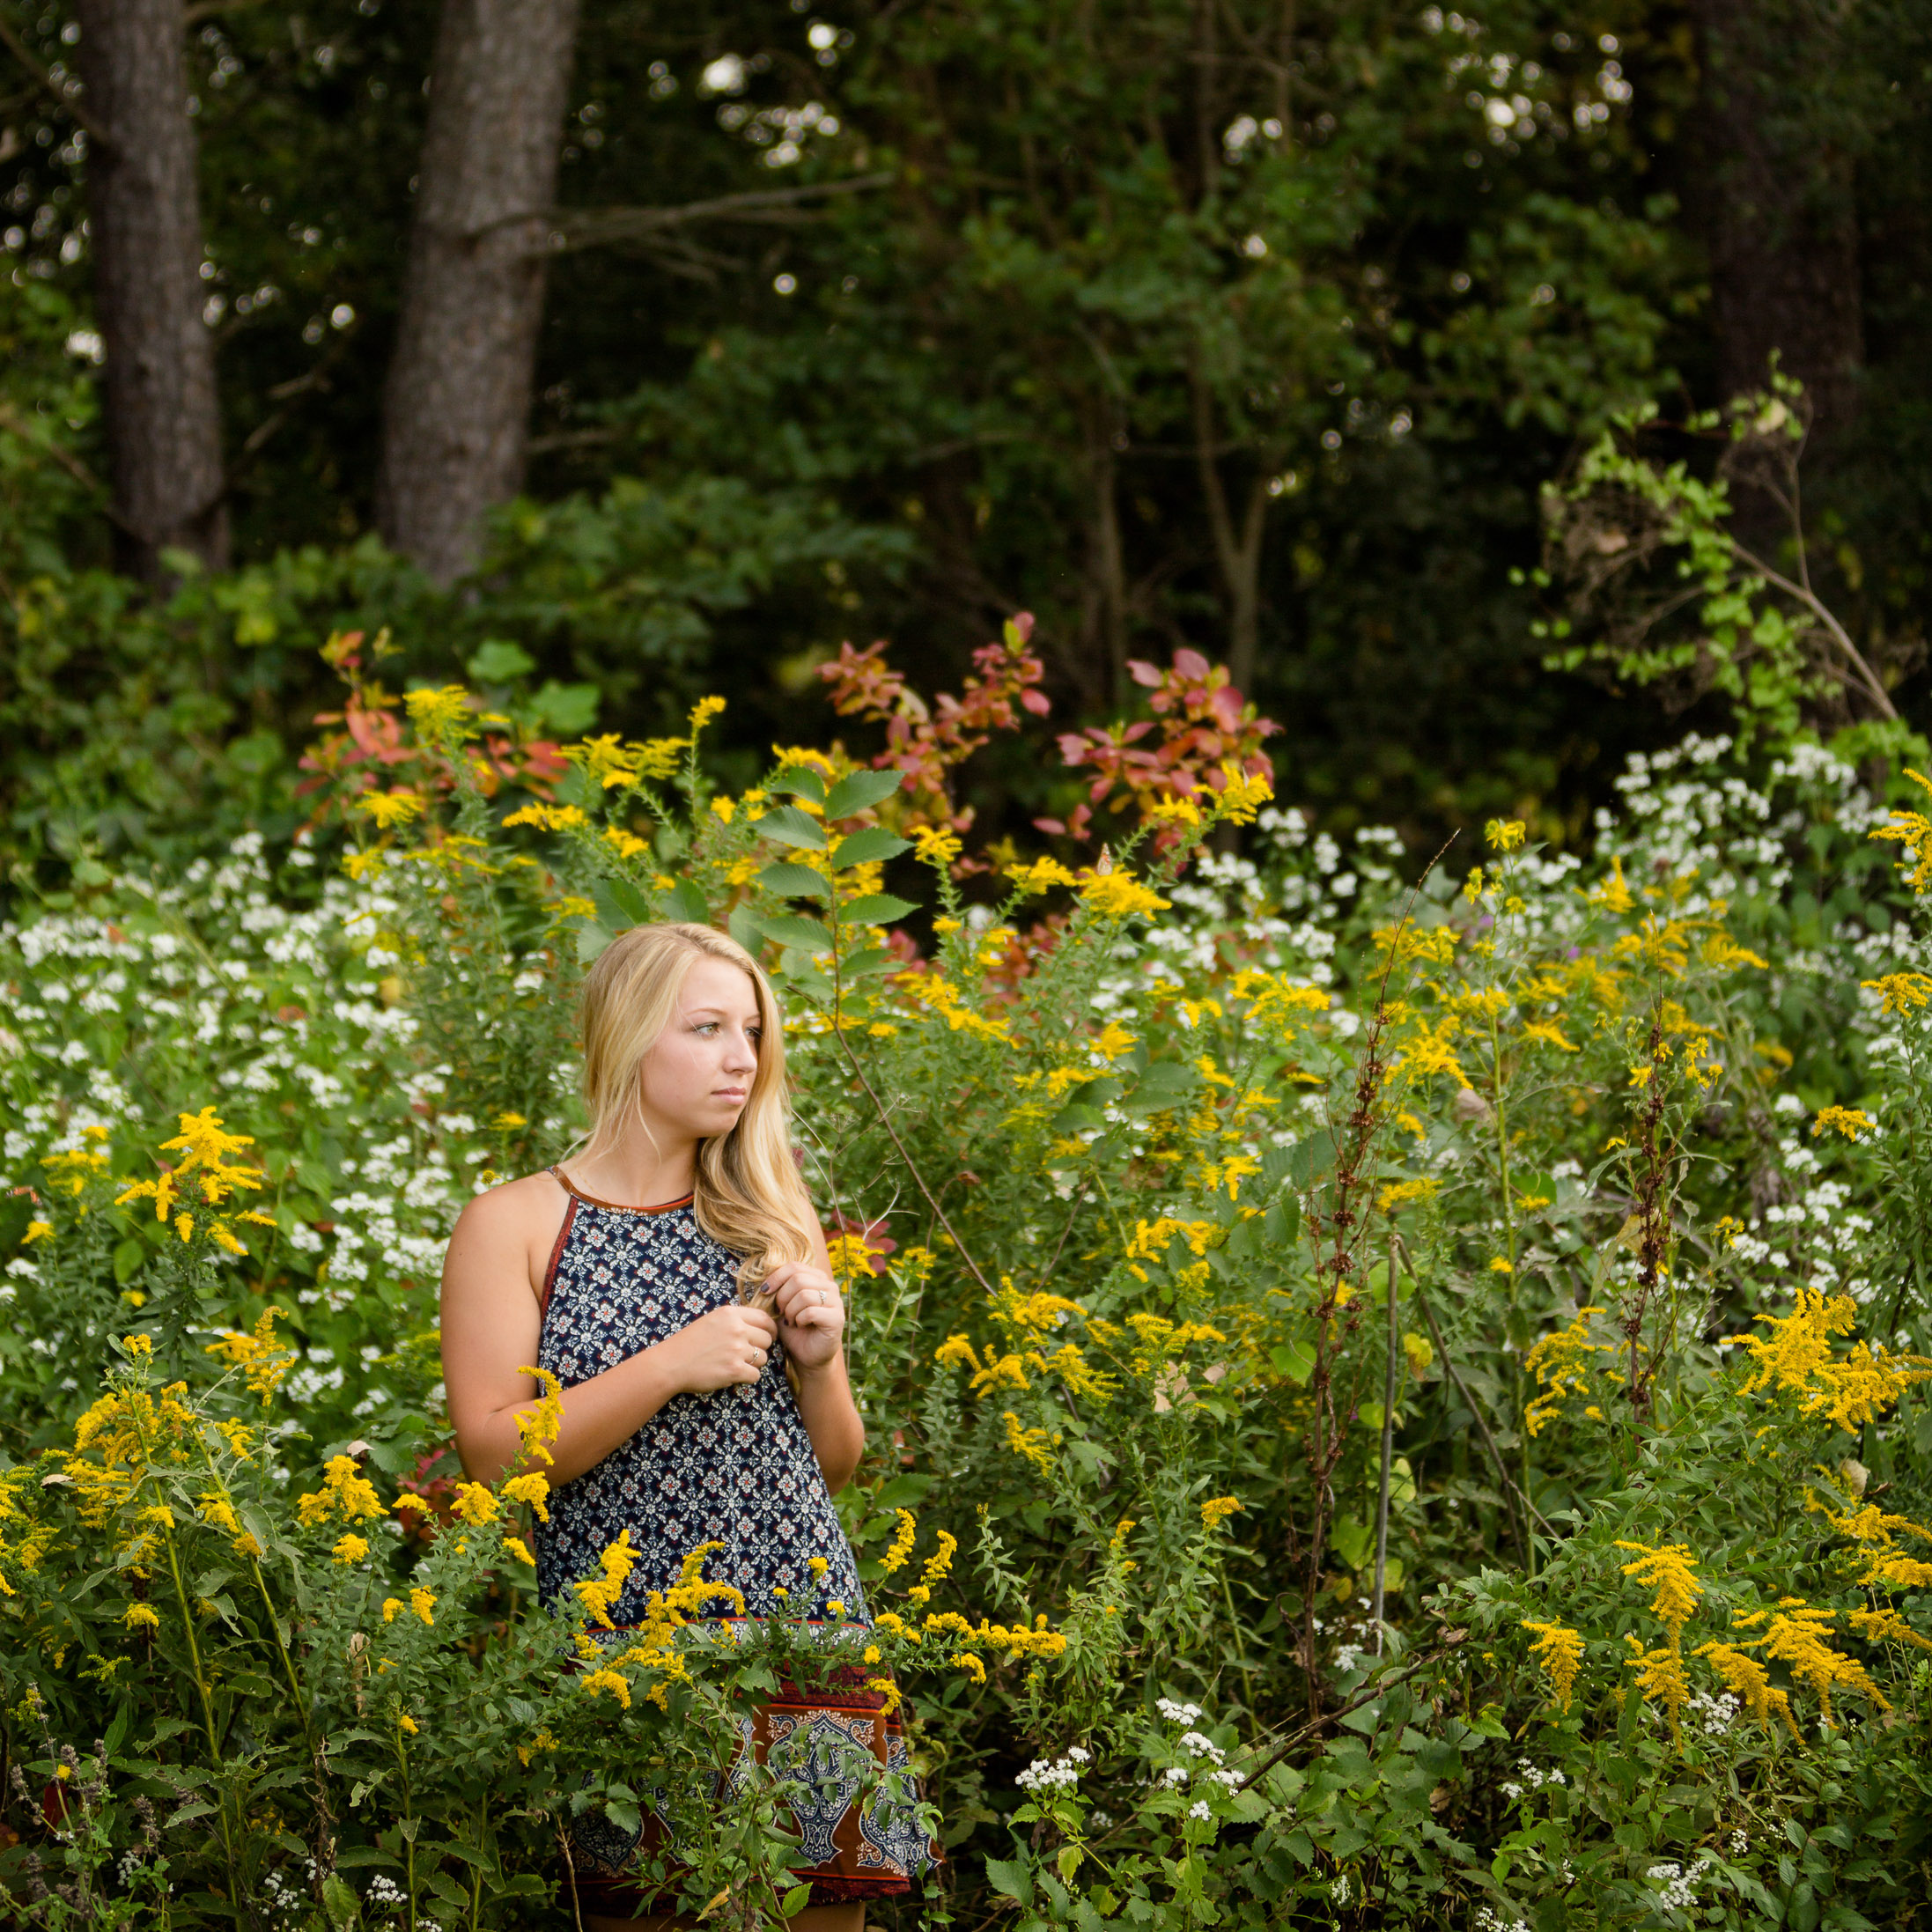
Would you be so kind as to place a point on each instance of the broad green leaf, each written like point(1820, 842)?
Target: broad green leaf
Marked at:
point(1011, 1878)
point(788, 929)
point(620, 904)
point(791, 881)
point(795, 1901)
point(591, 941)
point(1162, 1087)
point(875, 909)
point(129, 1256)
point(868, 847)
point(685, 901)
point(789, 826)
point(802, 782)
point(859, 790)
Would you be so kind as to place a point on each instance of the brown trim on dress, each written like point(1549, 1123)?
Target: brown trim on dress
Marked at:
point(620, 1207)
point(557, 1255)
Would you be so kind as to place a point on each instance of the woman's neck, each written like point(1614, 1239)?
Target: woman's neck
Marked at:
point(634, 1172)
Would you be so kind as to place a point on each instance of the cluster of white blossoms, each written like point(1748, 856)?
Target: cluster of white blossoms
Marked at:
point(1531, 1779)
point(1062, 1773)
point(1675, 1884)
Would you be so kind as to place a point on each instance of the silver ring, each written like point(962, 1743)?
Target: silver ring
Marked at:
point(818, 1297)
point(762, 1358)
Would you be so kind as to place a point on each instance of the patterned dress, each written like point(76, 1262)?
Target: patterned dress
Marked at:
point(734, 1467)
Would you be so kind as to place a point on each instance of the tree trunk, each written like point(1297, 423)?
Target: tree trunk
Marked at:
point(1238, 553)
point(162, 414)
point(1777, 208)
point(458, 406)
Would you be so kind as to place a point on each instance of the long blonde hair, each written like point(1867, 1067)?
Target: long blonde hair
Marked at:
point(748, 1195)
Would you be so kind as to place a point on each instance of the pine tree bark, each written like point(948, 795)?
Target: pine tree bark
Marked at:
point(1777, 208)
point(160, 409)
point(457, 411)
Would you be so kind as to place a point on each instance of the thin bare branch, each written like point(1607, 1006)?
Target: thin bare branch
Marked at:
point(63, 92)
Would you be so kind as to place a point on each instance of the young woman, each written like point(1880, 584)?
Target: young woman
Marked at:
point(640, 1273)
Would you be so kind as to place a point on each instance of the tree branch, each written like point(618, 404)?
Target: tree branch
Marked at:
point(1818, 609)
point(596, 227)
point(918, 1180)
point(62, 92)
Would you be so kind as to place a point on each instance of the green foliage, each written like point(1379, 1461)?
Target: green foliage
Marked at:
point(1123, 1197)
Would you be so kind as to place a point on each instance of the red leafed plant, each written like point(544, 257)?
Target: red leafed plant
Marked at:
point(1205, 724)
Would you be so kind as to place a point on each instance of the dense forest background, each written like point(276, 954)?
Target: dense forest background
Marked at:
point(610, 353)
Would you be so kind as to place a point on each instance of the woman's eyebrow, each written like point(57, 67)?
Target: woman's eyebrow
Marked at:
point(716, 1013)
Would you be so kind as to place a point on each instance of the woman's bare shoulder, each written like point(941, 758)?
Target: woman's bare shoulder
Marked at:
point(532, 1207)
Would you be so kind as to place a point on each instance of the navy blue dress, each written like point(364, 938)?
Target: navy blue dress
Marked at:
point(734, 1467)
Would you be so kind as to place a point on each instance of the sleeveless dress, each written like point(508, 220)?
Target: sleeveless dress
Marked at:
point(734, 1467)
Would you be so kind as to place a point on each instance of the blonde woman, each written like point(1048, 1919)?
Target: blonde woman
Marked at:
point(674, 1277)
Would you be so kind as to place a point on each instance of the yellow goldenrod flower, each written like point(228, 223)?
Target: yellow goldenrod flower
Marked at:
point(423, 1603)
point(817, 1565)
point(1848, 1121)
point(835, 1607)
point(1502, 1265)
point(902, 1537)
point(389, 808)
point(937, 846)
point(1900, 992)
point(1217, 1509)
point(139, 1616)
point(350, 1548)
point(1560, 1653)
point(532, 1489)
point(1119, 896)
point(607, 1683)
point(1667, 1571)
point(475, 1504)
point(518, 1549)
point(390, 1606)
point(346, 1493)
point(36, 1230)
point(967, 1662)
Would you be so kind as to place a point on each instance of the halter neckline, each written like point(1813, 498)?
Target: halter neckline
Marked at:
point(620, 1207)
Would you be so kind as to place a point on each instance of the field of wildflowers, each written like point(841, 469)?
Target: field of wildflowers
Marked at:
point(1397, 1390)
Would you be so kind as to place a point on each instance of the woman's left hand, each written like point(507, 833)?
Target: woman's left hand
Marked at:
point(811, 1314)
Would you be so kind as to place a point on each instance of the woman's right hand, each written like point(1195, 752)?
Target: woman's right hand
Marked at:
point(728, 1347)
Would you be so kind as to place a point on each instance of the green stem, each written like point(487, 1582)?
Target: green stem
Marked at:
point(207, 1703)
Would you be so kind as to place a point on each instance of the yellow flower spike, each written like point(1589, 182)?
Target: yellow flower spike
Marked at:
point(350, 1548)
point(36, 1230)
point(534, 1489)
point(423, 1603)
point(835, 1607)
point(967, 1661)
point(902, 1538)
point(817, 1566)
point(1505, 834)
point(518, 1549)
point(1666, 1570)
point(871, 1654)
point(1119, 896)
point(184, 1225)
point(391, 1605)
point(139, 1616)
point(391, 809)
point(346, 1493)
point(1900, 993)
point(1217, 1509)
point(475, 1504)
point(406, 1722)
point(548, 818)
point(1849, 1121)
point(540, 1424)
point(1560, 1653)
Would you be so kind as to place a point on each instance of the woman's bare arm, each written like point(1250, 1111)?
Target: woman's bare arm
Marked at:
point(492, 1324)
point(811, 1324)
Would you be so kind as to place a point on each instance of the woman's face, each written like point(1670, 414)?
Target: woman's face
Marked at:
point(697, 1078)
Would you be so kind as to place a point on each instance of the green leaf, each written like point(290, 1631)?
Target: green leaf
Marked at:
point(791, 881)
point(620, 905)
point(868, 847)
point(685, 901)
point(1160, 1088)
point(1351, 1540)
point(789, 826)
point(16, 1210)
point(591, 941)
point(1283, 1220)
point(795, 1901)
point(129, 1256)
point(791, 930)
point(859, 791)
point(875, 909)
point(1011, 1878)
point(802, 782)
point(497, 661)
point(1294, 1360)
